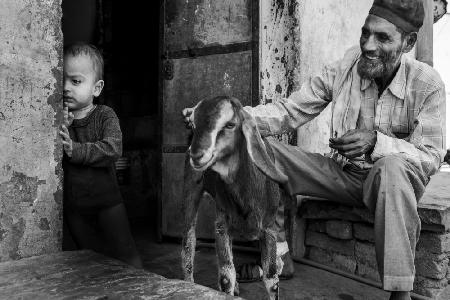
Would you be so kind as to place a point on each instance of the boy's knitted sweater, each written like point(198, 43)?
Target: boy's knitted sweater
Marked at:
point(96, 139)
point(90, 181)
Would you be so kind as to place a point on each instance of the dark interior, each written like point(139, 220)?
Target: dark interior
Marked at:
point(128, 37)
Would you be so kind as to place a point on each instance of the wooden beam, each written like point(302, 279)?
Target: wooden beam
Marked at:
point(425, 37)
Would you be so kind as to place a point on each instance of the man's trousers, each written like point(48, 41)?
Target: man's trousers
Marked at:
point(391, 190)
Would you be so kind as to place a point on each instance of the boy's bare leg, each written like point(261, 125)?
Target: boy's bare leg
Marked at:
point(113, 222)
point(82, 231)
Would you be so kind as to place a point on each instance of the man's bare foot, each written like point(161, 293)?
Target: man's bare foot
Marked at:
point(400, 296)
point(249, 272)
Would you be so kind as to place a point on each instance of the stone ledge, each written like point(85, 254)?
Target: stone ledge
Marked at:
point(356, 254)
point(434, 207)
point(88, 275)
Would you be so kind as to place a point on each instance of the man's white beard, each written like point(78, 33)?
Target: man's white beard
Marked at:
point(383, 66)
point(368, 69)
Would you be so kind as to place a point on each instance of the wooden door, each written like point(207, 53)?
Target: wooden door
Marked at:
point(209, 49)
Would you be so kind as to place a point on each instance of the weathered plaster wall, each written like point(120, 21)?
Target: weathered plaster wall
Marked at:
point(326, 29)
point(279, 52)
point(30, 92)
point(197, 23)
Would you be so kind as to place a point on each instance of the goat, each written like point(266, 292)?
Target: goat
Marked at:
point(229, 159)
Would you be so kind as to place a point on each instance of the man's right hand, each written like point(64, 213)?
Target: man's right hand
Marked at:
point(187, 114)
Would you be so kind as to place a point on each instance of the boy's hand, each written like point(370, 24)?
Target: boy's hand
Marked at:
point(66, 140)
point(68, 117)
point(354, 143)
point(187, 114)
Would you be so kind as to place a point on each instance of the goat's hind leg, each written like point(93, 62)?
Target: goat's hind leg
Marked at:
point(227, 273)
point(272, 264)
point(192, 194)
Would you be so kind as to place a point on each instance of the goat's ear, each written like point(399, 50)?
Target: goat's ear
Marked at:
point(257, 149)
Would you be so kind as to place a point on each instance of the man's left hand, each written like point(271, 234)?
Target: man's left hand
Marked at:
point(354, 143)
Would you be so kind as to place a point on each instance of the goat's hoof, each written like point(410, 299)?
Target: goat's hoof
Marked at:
point(275, 287)
point(225, 281)
point(236, 289)
point(225, 285)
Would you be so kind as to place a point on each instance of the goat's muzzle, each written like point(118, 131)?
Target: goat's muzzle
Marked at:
point(201, 160)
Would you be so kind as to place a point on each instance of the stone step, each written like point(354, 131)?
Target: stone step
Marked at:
point(88, 275)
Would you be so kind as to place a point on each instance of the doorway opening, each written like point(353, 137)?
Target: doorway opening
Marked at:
point(128, 37)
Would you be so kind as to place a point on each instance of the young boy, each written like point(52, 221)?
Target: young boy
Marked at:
point(92, 141)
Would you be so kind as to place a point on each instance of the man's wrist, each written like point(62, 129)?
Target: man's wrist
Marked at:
point(373, 142)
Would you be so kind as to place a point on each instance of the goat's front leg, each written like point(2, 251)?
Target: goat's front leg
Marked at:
point(192, 194)
point(227, 273)
point(272, 264)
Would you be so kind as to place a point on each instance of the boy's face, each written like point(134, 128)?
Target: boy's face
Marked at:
point(80, 84)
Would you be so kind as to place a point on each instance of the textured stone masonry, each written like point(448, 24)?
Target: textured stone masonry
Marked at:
point(363, 232)
point(339, 229)
point(343, 237)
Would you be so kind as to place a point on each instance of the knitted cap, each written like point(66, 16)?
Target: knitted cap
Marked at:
point(405, 14)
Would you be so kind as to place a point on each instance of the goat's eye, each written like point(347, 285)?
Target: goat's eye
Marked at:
point(230, 125)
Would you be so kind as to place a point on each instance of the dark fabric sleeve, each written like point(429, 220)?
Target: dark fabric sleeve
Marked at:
point(105, 151)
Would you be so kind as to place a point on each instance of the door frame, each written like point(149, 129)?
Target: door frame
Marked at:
point(253, 45)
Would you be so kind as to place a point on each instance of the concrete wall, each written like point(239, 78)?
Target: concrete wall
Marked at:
point(30, 152)
point(279, 22)
point(297, 38)
point(326, 29)
point(278, 51)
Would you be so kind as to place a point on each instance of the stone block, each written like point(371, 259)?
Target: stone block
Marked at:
point(429, 287)
point(434, 242)
point(364, 214)
point(364, 232)
point(313, 209)
point(318, 255)
point(317, 225)
point(365, 254)
point(369, 272)
point(431, 265)
point(332, 259)
point(339, 229)
point(323, 241)
point(434, 207)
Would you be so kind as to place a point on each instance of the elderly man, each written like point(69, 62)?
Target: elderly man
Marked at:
point(387, 134)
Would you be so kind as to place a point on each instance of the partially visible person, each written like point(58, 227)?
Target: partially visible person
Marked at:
point(92, 140)
point(439, 9)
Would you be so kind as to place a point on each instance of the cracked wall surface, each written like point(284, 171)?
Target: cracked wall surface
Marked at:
point(327, 28)
point(278, 51)
point(30, 154)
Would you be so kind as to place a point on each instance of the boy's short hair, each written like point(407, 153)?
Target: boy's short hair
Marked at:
point(94, 54)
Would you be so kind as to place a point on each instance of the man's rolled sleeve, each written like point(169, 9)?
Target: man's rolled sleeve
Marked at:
point(302, 106)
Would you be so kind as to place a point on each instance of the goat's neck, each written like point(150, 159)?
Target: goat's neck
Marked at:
point(228, 167)
point(235, 168)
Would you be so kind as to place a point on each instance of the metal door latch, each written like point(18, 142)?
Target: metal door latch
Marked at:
point(168, 69)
